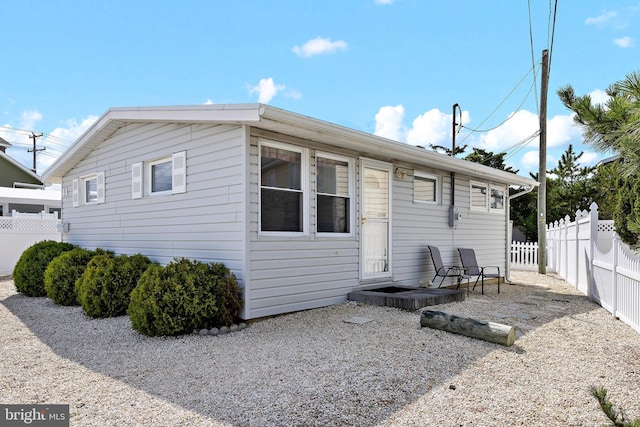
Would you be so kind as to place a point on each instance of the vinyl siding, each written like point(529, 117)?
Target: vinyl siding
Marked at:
point(301, 272)
point(205, 223)
point(417, 225)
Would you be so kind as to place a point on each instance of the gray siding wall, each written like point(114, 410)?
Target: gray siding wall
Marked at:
point(297, 273)
point(206, 223)
point(416, 225)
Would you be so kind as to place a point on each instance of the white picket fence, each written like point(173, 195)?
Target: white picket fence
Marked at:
point(524, 255)
point(22, 230)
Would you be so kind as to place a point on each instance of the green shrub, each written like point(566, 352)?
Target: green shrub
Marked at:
point(105, 287)
point(28, 274)
point(183, 296)
point(62, 273)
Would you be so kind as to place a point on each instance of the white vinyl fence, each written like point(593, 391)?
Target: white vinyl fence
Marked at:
point(22, 230)
point(588, 254)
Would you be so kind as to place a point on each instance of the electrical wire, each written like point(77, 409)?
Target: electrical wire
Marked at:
point(553, 29)
point(472, 131)
point(533, 61)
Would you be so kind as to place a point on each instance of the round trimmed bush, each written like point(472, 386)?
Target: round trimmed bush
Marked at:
point(28, 274)
point(104, 289)
point(183, 296)
point(62, 273)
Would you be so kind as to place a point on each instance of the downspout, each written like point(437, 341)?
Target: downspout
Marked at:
point(526, 190)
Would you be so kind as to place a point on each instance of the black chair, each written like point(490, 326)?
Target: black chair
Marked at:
point(471, 268)
point(445, 271)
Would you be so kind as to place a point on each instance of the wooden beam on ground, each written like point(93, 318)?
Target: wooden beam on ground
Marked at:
point(480, 329)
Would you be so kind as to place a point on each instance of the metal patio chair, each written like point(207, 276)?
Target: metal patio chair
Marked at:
point(471, 268)
point(445, 271)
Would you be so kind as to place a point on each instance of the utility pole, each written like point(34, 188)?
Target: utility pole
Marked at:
point(35, 136)
point(542, 167)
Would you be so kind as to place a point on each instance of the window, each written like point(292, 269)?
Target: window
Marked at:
point(425, 188)
point(164, 176)
point(478, 196)
point(497, 199)
point(89, 189)
point(282, 194)
point(333, 192)
point(159, 176)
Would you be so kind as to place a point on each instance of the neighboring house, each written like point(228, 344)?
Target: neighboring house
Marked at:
point(302, 211)
point(21, 189)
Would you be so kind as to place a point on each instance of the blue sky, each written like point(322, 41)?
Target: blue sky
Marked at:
point(389, 67)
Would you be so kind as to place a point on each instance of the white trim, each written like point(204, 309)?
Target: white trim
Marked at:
point(484, 185)
point(148, 177)
point(504, 198)
point(387, 167)
point(436, 178)
point(179, 172)
point(100, 187)
point(136, 180)
point(351, 196)
point(83, 189)
point(304, 187)
point(75, 185)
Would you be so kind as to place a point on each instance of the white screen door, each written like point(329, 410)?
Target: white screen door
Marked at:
point(375, 181)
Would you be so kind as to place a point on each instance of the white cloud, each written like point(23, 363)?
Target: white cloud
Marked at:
point(520, 125)
point(29, 119)
point(389, 123)
point(319, 46)
point(266, 90)
point(599, 97)
point(384, 2)
point(208, 102)
point(561, 130)
point(589, 158)
point(431, 128)
point(624, 42)
point(530, 160)
point(601, 19)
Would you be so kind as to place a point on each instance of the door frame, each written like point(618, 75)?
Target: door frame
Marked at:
point(387, 167)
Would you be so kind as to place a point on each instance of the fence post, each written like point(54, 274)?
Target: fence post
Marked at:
point(614, 274)
point(593, 237)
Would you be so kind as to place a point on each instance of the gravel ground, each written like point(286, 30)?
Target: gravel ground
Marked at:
point(313, 368)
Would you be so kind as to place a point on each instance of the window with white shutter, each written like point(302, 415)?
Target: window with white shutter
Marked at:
point(179, 172)
point(75, 190)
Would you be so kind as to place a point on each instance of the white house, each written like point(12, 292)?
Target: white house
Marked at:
point(302, 211)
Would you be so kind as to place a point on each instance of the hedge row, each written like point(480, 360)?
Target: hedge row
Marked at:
point(160, 300)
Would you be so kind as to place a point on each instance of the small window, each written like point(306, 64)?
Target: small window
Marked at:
point(333, 192)
point(159, 177)
point(478, 196)
point(425, 188)
point(282, 195)
point(167, 175)
point(497, 199)
point(90, 190)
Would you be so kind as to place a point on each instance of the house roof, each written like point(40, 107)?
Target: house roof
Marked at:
point(21, 169)
point(277, 120)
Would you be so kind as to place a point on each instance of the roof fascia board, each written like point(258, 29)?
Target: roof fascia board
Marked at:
point(365, 142)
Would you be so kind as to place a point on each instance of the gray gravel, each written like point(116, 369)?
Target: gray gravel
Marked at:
point(313, 368)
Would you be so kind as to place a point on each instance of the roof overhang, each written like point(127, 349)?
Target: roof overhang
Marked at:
point(275, 120)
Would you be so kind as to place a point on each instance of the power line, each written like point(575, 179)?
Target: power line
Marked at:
point(499, 105)
point(533, 60)
point(553, 29)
